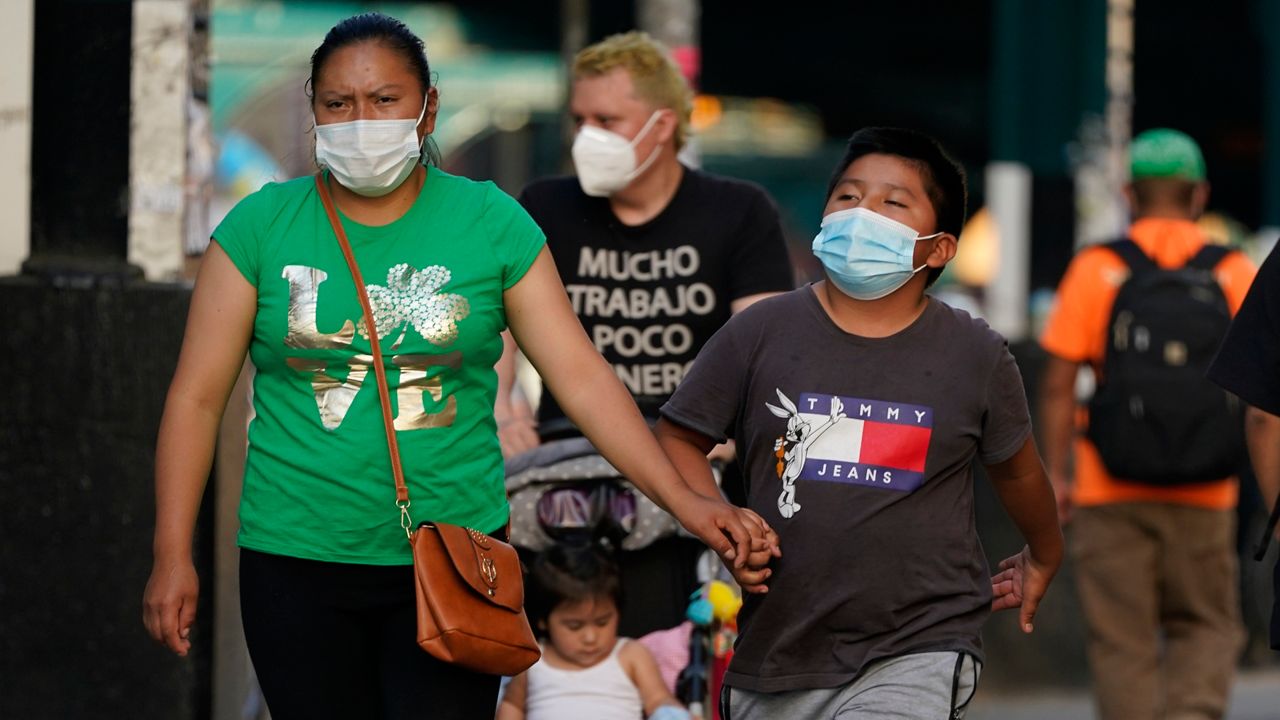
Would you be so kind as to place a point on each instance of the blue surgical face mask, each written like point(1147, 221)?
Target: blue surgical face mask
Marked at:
point(866, 254)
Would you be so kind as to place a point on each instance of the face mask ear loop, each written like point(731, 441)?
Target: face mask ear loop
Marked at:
point(648, 125)
point(652, 156)
point(422, 142)
point(940, 233)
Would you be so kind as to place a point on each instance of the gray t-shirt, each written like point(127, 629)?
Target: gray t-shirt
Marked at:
point(859, 452)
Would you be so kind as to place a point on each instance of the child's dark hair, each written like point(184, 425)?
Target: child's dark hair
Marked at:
point(568, 572)
point(943, 177)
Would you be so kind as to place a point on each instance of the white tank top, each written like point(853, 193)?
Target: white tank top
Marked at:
point(600, 692)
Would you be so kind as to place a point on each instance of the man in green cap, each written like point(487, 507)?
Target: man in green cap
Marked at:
point(1146, 480)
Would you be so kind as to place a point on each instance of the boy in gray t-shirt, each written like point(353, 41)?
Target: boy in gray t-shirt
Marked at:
point(858, 405)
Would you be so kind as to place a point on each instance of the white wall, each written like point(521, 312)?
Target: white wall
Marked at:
point(17, 17)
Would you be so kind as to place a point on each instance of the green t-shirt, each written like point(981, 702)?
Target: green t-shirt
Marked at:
point(318, 481)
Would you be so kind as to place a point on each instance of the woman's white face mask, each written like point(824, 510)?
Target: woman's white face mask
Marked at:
point(370, 157)
point(606, 161)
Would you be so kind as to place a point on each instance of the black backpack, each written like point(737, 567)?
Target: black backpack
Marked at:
point(1155, 418)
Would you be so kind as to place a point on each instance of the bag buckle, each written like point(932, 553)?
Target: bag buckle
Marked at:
point(405, 522)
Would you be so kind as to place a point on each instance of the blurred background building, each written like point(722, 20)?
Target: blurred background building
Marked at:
point(129, 127)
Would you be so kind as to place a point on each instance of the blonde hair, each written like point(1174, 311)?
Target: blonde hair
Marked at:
point(654, 74)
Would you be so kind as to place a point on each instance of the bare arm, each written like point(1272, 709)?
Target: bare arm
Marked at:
point(1024, 490)
point(219, 325)
point(543, 323)
point(688, 452)
point(643, 671)
point(517, 429)
point(1263, 432)
point(513, 698)
point(1057, 427)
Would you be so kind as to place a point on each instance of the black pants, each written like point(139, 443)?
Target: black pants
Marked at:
point(334, 640)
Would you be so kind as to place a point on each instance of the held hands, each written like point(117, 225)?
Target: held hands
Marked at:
point(1021, 583)
point(169, 604)
point(740, 537)
point(754, 572)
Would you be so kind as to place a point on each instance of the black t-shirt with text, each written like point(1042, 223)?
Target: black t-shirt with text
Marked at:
point(649, 296)
point(859, 452)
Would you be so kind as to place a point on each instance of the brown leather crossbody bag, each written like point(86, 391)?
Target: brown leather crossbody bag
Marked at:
point(469, 586)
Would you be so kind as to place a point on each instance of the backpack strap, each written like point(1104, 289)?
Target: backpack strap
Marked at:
point(1208, 257)
point(1132, 255)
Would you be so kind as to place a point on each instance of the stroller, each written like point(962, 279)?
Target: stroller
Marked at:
point(564, 491)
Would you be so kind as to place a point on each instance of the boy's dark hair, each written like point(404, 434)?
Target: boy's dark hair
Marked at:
point(943, 177)
point(569, 573)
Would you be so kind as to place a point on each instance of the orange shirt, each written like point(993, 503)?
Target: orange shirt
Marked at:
point(1076, 331)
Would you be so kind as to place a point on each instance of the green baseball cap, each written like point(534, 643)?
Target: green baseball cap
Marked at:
point(1165, 153)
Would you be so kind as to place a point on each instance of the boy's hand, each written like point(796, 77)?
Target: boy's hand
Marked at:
point(1021, 583)
point(753, 574)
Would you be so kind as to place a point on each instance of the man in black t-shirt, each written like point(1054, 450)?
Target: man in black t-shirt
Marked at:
point(1248, 364)
point(655, 256)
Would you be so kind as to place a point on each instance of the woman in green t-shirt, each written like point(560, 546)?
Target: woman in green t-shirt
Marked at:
point(326, 582)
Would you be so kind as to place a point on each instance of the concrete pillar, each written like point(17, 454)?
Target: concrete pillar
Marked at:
point(18, 18)
point(159, 94)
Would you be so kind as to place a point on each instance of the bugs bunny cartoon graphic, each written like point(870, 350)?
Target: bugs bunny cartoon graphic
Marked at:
point(793, 446)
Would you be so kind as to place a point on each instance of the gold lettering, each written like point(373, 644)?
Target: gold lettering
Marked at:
point(333, 396)
point(414, 384)
point(304, 287)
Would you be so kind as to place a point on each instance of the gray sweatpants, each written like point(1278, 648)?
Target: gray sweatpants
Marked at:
point(922, 686)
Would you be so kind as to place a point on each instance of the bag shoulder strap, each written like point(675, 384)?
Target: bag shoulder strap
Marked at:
point(384, 396)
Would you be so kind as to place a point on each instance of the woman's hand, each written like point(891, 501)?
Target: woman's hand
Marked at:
point(169, 604)
point(724, 528)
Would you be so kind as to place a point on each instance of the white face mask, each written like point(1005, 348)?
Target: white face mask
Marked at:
point(370, 157)
point(606, 161)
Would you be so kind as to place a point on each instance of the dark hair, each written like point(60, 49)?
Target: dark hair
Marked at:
point(387, 32)
point(570, 573)
point(943, 177)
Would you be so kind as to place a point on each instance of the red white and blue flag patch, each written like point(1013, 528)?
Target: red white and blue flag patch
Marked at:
point(865, 442)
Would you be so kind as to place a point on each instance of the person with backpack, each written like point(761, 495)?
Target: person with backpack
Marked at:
point(1150, 490)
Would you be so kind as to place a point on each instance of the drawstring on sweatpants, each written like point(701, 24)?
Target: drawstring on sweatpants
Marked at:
point(958, 710)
